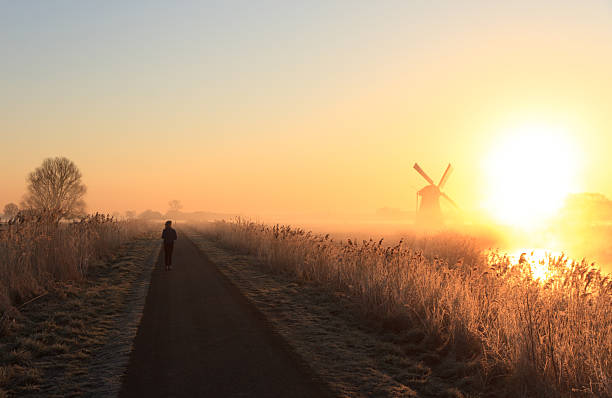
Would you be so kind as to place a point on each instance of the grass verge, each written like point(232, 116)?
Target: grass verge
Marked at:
point(74, 340)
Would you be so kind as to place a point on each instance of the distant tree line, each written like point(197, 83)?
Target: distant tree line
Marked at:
point(55, 191)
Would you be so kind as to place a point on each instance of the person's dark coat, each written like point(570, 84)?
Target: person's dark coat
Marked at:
point(169, 236)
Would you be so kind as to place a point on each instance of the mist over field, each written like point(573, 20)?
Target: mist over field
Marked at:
point(581, 230)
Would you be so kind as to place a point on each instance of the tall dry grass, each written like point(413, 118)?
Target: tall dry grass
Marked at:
point(35, 254)
point(549, 338)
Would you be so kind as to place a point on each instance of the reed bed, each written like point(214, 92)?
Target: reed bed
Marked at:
point(34, 254)
point(549, 337)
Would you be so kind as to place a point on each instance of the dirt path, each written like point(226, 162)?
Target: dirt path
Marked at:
point(200, 337)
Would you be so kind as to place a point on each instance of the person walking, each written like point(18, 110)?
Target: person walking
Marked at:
point(169, 236)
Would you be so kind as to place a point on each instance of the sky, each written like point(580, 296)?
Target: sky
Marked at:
point(281, 107)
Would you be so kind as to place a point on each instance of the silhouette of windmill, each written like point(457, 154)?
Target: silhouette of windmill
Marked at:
point(428, 209)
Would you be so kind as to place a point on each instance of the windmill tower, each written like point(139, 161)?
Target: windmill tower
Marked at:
point(428, 207)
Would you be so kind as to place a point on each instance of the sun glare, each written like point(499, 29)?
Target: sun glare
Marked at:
point(529, 172)
point(538, 260)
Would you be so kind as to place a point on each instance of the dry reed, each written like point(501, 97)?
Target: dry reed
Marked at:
point(35, 254)
point(549, 338)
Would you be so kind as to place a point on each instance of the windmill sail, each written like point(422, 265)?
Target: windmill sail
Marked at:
point(423, 174)
point(445, 176)
point(452, 202)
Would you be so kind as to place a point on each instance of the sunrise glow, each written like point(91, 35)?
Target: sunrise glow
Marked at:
point(306, 198)
point(530, 171)
point(538, 260)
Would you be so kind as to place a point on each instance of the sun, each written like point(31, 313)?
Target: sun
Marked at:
point(529, 172)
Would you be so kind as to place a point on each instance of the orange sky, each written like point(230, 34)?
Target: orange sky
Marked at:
point(285, 109)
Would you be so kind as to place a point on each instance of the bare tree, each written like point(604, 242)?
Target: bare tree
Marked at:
point(175, 205)
point(150, 215)
point(11, 210)
point(130, 214)
point(55, 189)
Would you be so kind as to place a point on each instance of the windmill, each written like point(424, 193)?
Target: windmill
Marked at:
point(428, 210)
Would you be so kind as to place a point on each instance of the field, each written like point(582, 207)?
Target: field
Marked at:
point(34, 256)
point(492, 323)
point(72, 299)
point(549, 337)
